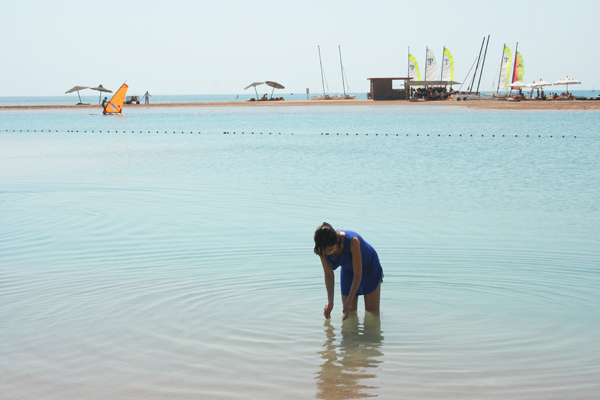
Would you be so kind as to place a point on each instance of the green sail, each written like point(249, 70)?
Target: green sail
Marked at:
point(447, 66)
point(413, 68)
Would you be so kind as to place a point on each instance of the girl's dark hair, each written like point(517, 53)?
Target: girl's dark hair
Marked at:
point(325, 236)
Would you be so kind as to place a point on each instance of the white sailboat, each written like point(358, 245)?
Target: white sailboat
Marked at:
point(325, 95)
point(430, 65)
point(344, 82)
point(505, 66)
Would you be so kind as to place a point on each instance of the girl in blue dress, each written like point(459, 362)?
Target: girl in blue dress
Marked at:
point(361, 273)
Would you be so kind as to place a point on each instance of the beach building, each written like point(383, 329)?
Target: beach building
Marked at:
point(430, 90)
point(382, 89)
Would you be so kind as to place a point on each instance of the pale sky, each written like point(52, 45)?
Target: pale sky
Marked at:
point(219, 47)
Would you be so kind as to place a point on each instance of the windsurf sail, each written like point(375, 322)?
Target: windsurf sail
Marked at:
point(505, 69)
point(413, 68)
point(519, 69)
point(115, 105)
point(430, 66)
point(447, 66)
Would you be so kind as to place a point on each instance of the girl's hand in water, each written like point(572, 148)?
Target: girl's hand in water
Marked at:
point(347, 308)
point(327, 310)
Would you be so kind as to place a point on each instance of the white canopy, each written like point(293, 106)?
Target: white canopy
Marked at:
point(517, 84)
point(541, 83)
point(431, 83)
point(567, 81)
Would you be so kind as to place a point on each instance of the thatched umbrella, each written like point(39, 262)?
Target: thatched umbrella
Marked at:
point(76, 89)
point(101, 89)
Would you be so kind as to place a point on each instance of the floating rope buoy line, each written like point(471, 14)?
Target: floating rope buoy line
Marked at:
point(278, 133)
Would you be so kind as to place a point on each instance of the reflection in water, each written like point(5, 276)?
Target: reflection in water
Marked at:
point(347, 363)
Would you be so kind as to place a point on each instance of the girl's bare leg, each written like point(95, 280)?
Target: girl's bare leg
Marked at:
point(372, 300)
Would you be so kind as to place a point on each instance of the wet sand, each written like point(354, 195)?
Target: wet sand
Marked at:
point(472, 104)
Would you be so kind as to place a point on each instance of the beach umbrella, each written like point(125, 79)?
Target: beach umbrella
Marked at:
point(274, 85)
point(255, 84)
point(101, 89)
point(567, 81)
point(541, 83)
point(76, 89)
point(517, 85)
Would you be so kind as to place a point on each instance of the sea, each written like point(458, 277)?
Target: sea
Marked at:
point(168, 252)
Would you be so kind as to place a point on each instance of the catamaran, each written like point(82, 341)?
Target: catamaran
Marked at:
point(115, 105)
point(506, 66)
point(413, 67)
point(519, 67)
point(470, 94)
point(430, 65)
point(344, 82)
point(447, 73)
point(325, 95)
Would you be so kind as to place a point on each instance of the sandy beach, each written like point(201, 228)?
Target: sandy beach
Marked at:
point(472, 104)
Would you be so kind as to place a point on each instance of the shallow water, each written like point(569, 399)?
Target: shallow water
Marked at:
point(171, 254)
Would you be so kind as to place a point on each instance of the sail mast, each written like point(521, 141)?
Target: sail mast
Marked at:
point(501, 61)
point(408, 64)
point(483, 63)
point(426, 49)
point(515, 74)
point(442, 70)
point(342, 68)
point(321, 63)
point(477, 67)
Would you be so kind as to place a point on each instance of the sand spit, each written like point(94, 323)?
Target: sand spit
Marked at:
point(472, 104)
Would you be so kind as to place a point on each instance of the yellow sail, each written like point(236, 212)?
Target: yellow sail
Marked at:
point(115, 105)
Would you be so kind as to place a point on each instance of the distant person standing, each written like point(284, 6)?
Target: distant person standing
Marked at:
point(147, 97)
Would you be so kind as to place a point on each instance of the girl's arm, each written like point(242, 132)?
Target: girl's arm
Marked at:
point(329, 285)
point(357, 269)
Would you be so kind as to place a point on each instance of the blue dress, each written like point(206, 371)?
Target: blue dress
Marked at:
point(372, 271)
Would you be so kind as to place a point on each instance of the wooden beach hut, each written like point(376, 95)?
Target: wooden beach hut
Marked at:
point(382, 89)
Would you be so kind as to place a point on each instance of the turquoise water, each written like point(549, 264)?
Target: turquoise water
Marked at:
point(171, 254)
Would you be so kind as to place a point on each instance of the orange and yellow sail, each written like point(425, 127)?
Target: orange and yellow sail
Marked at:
point(115, 105)
point(519, 68)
